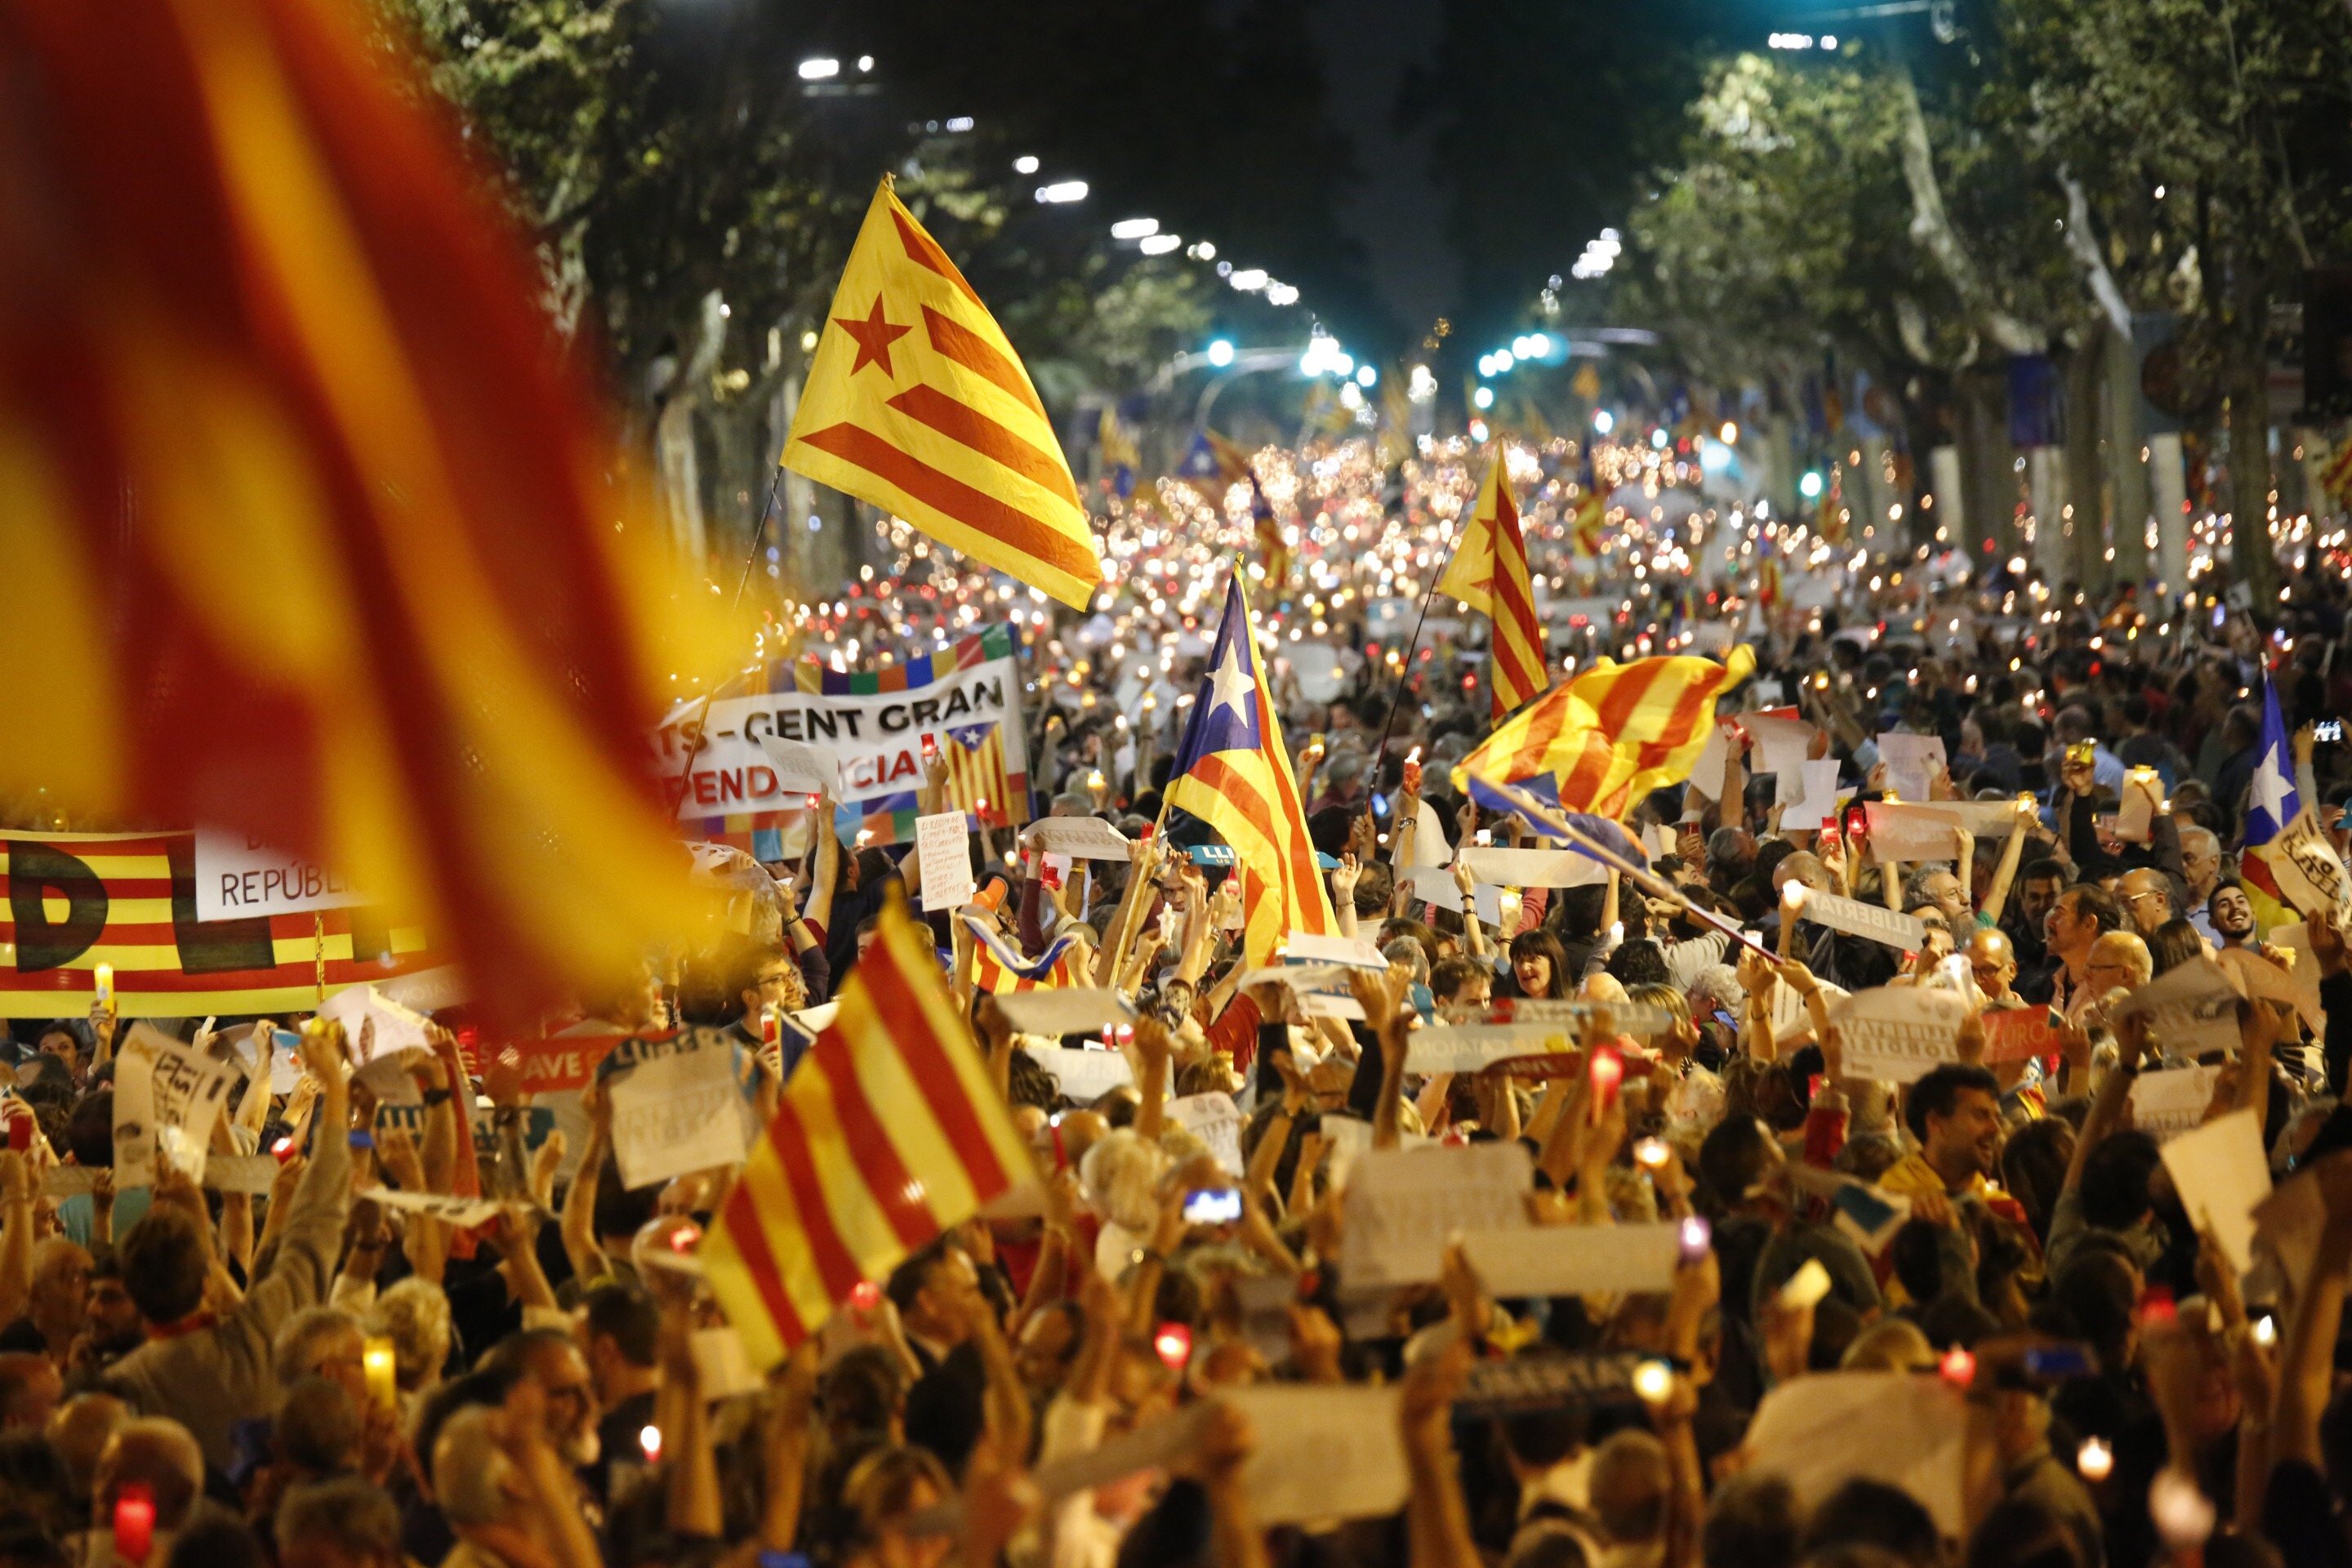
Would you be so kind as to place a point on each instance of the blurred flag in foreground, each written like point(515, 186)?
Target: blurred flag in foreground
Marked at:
point(916, 403)
point(1489, 573)
point(1232, 772)
point(331, 548)
point(1612, 734)
point(888, 1132)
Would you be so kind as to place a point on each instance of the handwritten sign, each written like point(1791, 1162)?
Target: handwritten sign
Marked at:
point(1571, 1259)
point(2309, 872)
point(1216, 1121)
point(943, 843)
point(1874, 922)
point(2164, 1105)
point(1911, 764)
point(1402, 1206)
point(2192, 1009)
point(395, 1028)
point(166, 1099)
point(678, 1109)
point(1896, 1034)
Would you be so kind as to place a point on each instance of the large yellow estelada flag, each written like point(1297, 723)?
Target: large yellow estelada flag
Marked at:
point(916, 403)
point(1489, 572)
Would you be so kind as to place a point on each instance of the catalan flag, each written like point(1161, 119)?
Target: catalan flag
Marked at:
point(1592, 511)
point(1233, 773)
point(1611, 735)
point(2272, 800)
point(916, 403)
point(277, 391)
point(1274, 551)
point(1489, 573)
point(888, 1132)
point(976, 784)
point(999, 969)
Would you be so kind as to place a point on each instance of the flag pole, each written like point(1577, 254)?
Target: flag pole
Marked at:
point(1405, 671)
point(751, 559)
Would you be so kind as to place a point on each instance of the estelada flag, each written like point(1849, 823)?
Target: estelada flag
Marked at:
point(1612, 734)
point(999, 969)
point(888, 1132)
point(1489, 573)
point(916, 403)
point(128, 900)
point(977, 784)
point(341, 557)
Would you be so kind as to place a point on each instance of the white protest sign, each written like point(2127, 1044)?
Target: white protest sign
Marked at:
point(2222, 1174)
point(1911, 762)
point(1348, 952)
point(1912, 832)
point(250, 1174)
point(1428, 842)
point(1402, 1207)
point(943, 843)
point(1064, 1010)
point(396, 1028)
point(167, 1098)
point(1904, 932)
point(1435, 885)
point(875, 739)
point(1077, 837)
point(1216, 1121)
point(676, 1109)
point(1984, 819)
point(1706, 774)
point(2164, 1105)
point(2309, 873)
point(238, 876)
point(1533, 867)
point(2192, 1009)
point(387, 1078)
point(722, 1369)
point(2135, 809)
point(1572, 1259)
point(1896, 1034)
point(285, 1066)
point(800, 768)
point(1818, 1433)
point(1087, 1075)
point(1782, 743)
point(1323, 1005)
point(1793, 1021)
point(463, 1213)
point(1322, 1451)
point(1819, 803)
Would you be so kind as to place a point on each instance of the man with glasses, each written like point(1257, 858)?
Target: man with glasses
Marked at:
point(2118, 959)
point(2146, 896)
point(1993, 958)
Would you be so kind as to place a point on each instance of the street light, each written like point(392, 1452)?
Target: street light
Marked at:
point(1134, 227)
point(1062, 191)
point(820, 69)
point(1221, 354)
point(1810, 485)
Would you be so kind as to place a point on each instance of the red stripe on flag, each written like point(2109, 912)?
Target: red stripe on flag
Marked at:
point(742, 1220)
point(1543, 730)
point(1618, 704)
point(788, 1136)
point(923, 253)
point(1683, 723)
point(974, 352)
point(929, 406)
point(898, 1194)
point(1296, 858)
point(972, 508)
point(935, 1075)
point(1579, 788)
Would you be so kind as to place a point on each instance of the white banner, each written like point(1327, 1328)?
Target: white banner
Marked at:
point(1402, 1205)
point(1896, 1034)
point(167, 1098)
point(676, 1110)
point(2192, 1009)
point(238, 878)
point(1857, 918)
point(876, 738)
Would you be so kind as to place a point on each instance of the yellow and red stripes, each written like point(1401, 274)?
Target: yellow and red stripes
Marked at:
point(888, 1134)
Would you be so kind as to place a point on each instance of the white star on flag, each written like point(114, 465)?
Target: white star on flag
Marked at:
point(1232, 683)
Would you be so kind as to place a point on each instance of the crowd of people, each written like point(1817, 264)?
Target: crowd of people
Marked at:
point(323, 1377)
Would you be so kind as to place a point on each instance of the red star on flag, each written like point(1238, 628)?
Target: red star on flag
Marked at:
point(875, 335)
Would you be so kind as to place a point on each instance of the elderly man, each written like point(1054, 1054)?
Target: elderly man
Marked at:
point(1993, 958)
point(2118, 959)
point(2082, 914)
point(2146, 895)
point(501, 1486)
point(2200, 869)
point(340, 1523)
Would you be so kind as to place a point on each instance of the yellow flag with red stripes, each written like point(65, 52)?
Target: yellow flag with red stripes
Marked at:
point(1489, 572)
point(916, 403)
point(889, 1133)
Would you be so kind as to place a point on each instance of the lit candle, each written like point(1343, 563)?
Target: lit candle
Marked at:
point(1651, 1153)
point(1653, 1380)
point(382, 1372)
point(134, 1521)
point(1696, 1236)
point(2094, 1460)
point(102, 985)
point(1174, 1344)
point(649, 1439)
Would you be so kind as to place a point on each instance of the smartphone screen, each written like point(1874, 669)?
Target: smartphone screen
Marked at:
point(1214, 1206)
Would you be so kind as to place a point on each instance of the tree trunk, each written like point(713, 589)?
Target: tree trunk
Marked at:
point(2248, 372)
point(2082, 515)
point(2128, 474)
point(1987, 474)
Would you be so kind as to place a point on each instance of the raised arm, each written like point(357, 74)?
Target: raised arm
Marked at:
point(2004, 876)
